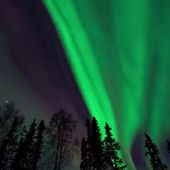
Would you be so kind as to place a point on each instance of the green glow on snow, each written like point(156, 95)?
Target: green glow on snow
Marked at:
point(119, 53)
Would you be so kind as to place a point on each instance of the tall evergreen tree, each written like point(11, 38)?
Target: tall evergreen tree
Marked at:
point(23, 158)
point(88, 151)
point(95, 147)
point(37, 146)
point(84, 155)
point(168, 145)
point(153, 152)
point(92, 148)
point(112, 160)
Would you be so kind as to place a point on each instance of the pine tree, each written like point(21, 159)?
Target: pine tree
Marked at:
point(112, 159)
point(92, 148)
point(9, 144)
point(24, 156)
point(95, 146)
point(84, 155)
point(37, 146)
point(168, 145)
point(2, 155)
point(153, 152)
point(88, 145)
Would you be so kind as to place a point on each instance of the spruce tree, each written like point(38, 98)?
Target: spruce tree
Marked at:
point(84, 155)
point(168, 145)
point(92, 148)
point(3, 155)
point(112, 160)
point(95, 147)
point(88, 150)
point(24, 156)
point(153, 152)
point(37, 146)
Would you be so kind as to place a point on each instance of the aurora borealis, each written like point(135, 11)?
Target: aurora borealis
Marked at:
point(119, 53)
point(111, 57)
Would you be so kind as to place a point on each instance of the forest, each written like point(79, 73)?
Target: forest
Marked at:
point(54, 145)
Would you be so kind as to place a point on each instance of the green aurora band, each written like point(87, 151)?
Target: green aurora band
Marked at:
point(120, 56)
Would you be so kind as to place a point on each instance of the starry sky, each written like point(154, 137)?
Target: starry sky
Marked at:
point(34, 72)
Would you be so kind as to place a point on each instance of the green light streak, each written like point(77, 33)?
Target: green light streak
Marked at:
point(119, 53)
point(85, 67)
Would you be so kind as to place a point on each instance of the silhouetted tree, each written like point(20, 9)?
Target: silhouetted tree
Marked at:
point(92, 148)
point(153, 152)
point(9, 144)
point(112, 160)
point(59, 138)
point(37, 145)
point(8, 113)
point(168, 145)
point(95, 146)
point(84, 155)
point(25, 153)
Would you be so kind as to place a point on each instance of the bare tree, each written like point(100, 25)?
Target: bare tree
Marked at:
point(60, 134)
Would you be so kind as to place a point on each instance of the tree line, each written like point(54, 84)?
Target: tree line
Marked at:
point(51, 146)
point(98, 154)
point(105, 154)
point(39, 146)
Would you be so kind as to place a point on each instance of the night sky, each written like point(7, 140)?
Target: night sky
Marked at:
point(107, 59)
point(119, 53)
point(34, 72)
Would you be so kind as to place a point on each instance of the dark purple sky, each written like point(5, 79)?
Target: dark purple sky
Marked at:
point(34, 72)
